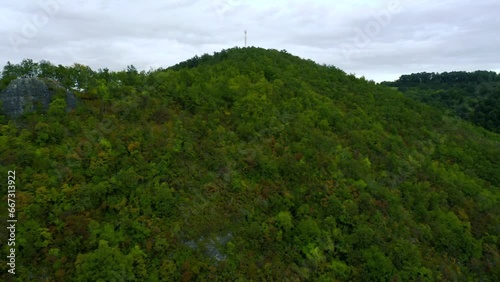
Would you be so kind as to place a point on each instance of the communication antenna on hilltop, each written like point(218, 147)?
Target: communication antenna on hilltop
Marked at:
point(245, 38)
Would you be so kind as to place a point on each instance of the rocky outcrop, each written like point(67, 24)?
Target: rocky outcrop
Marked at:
point(26, 94)
point(212, 246)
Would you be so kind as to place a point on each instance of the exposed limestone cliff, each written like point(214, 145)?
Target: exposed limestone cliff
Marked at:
point(25, 95)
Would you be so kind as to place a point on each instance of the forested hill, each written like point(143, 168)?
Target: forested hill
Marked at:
point(473, 96)
point(248, 164)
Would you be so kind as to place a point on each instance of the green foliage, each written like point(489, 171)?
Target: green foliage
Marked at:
point(285, 220)
point(472, 96)
point(376, 266)
point(105, 264)
point(250, 164)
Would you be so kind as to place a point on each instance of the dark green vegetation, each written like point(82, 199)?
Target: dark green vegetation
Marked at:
point(474, 97)
point(250, 164)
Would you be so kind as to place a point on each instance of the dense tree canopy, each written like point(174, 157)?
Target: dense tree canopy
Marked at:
point(248, 164)
point(474, 96)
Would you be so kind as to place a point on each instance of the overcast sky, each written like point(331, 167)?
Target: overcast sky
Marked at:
point(380, 39)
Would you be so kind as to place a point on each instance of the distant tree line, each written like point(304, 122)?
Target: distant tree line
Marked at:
point(473, 96)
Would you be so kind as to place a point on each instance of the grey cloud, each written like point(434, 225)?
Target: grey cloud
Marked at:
point(425, 35)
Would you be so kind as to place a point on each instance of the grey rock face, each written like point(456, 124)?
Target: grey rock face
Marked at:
point(212, 246)
point(71, 101)
point(23, 95)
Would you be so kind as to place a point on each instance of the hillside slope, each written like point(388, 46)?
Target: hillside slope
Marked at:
point(472, 96)
point(250, 164)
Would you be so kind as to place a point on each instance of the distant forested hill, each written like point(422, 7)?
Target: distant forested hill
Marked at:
point(246, 165)
point(473, 96)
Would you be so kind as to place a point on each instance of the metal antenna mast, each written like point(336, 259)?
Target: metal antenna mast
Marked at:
point(245, 38)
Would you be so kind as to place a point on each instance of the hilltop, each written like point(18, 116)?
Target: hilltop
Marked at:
point(250, 164)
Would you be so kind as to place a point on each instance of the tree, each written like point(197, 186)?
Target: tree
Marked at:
point(104, 264)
